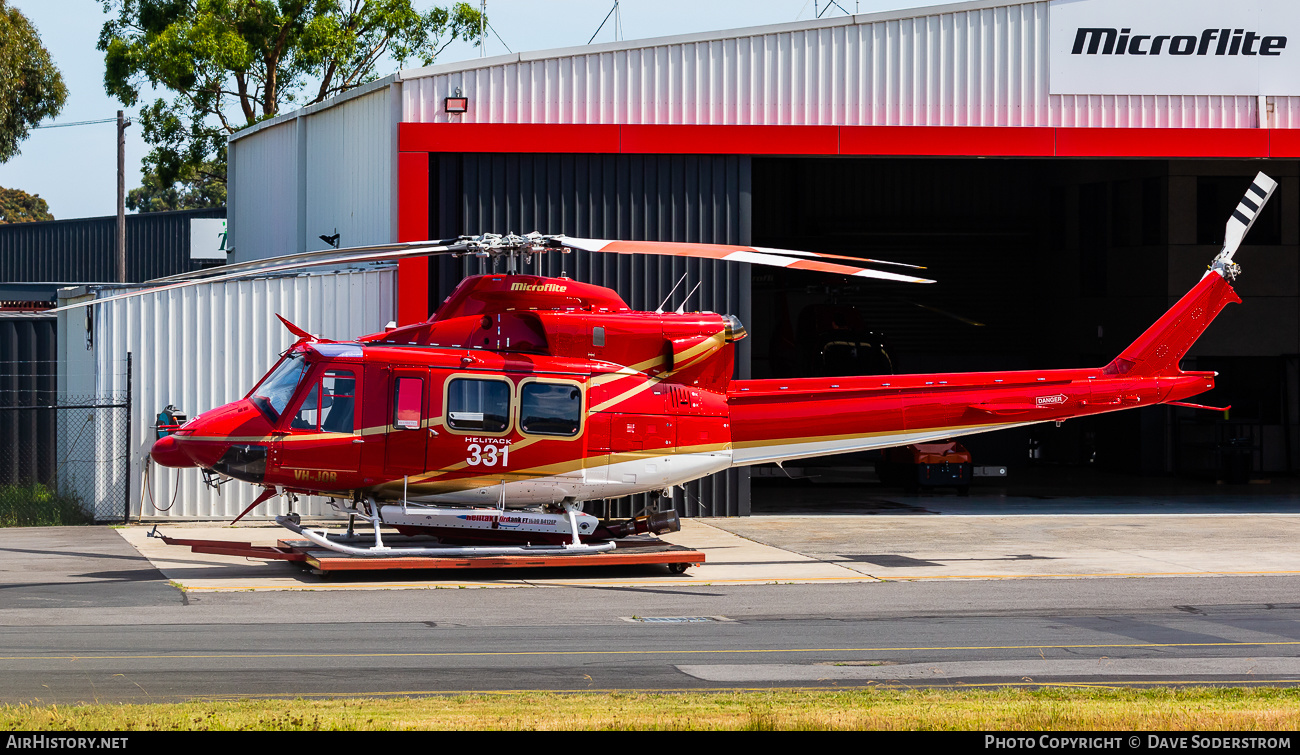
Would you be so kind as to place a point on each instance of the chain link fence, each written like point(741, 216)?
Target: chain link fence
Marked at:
point(63, 457)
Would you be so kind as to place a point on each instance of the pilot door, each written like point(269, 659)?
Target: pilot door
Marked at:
point(321, 440)
point(408, 425)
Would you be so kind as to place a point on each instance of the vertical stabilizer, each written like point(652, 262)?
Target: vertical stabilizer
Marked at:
point(1163, 345)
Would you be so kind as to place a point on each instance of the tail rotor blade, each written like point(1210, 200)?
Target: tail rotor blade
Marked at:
point(1248, 209)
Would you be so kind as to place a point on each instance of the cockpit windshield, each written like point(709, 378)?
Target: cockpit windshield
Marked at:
point(273, 394)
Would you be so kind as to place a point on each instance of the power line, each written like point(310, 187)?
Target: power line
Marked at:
point(602, 23)
point(76, 123)
point(499, 39)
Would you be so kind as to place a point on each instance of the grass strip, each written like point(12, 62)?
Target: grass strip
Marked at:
point(885, 709)
point(37, 505)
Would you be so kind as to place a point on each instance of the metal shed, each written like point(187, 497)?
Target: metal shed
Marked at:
point(83, 250)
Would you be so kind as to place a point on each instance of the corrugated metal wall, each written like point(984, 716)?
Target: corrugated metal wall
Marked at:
point(28, 350)
point(263, 185)
point(656, 198)
point(984, 66)
point(204, 346)
point(326, 169)
point(350, 173)
point(84, 250)
point(331, 166)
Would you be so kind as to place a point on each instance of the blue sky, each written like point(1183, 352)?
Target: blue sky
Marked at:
point(75, 169)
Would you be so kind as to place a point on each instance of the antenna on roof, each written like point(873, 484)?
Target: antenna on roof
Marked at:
point(817, 12)
point(618, 24)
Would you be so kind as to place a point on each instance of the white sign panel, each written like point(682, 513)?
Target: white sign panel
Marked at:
point(208, 239)
point(1242, 47)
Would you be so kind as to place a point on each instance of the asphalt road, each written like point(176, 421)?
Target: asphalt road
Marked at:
point(84, 618)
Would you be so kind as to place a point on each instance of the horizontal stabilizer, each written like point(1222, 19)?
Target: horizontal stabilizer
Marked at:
point(1200, 406)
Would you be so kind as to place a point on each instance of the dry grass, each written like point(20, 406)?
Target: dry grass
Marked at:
point(1187, 709)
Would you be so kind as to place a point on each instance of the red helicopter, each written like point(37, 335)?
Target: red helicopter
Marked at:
point(522, 397)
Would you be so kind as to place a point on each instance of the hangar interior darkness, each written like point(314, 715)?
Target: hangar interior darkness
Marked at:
point(1040, 263)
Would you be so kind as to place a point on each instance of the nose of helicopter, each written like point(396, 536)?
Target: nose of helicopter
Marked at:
point(167, 452)
point(206, 439)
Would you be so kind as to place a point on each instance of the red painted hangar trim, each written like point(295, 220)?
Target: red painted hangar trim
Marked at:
point(413, 225)
point(938, 141)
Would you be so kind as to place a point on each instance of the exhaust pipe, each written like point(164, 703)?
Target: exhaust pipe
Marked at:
point(658, 523)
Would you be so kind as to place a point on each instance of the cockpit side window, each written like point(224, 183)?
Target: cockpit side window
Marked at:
point(273, 393)
point(330, 405)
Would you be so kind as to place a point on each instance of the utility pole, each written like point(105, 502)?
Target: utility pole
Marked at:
point(122, 123)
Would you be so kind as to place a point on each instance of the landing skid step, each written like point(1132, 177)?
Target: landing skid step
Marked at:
point(436, 550)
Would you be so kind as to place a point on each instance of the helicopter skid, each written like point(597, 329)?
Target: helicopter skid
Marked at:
point(325, 541)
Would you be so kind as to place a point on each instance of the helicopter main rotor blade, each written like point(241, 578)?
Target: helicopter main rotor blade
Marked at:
point(285, 259)
point(824, 255)
point(945, 313)
point(386, 256)
point(757, 256)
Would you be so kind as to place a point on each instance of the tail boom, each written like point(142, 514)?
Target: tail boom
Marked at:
point(776, 420)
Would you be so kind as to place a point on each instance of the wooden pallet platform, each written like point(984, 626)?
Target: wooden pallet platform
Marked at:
point(628, 553)
point(633, 551)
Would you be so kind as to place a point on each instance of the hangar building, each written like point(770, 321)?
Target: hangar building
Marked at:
point(1063, 167)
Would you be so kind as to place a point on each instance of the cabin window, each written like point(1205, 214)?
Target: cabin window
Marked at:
point(478, 405)
point(598, 337)
point(407, 399)
point(550, 409)
point(330, 405)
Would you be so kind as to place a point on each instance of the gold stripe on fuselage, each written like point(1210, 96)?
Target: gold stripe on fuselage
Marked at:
point(545, 470)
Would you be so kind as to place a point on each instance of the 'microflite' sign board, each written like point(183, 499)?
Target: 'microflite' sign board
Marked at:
point(1224, 47)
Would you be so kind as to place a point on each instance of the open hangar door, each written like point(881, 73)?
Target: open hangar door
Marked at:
point(1046, 263)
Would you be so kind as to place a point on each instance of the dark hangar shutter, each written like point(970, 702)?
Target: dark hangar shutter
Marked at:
point(84, 250)
point(700, 198)
point(28, 377)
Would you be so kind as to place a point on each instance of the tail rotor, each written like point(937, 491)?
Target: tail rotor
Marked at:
point(1240, 222)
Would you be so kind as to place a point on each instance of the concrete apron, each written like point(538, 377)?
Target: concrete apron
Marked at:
point(731, 559)
point(1037, 546)
point(819, 549)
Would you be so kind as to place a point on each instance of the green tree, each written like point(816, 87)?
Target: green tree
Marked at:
point(17, 206)
point(232, 63)
point(31, 87)
point(194, 190)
